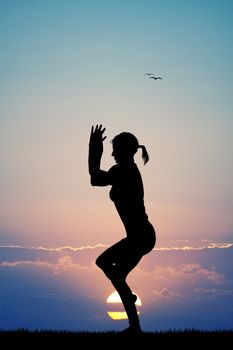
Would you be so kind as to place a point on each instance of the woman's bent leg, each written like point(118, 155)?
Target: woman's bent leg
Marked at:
point(108, 260)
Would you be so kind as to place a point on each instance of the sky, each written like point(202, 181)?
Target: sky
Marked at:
point(66, 65)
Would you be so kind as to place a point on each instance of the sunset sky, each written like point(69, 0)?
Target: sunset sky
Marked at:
point(66, 65)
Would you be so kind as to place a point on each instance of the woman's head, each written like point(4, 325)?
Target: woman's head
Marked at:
point(125, 145)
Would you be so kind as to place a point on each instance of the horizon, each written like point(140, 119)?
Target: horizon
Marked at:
point(179, 287)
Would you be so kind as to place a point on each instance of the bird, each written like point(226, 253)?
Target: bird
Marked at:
point(152, 76)
point(155, 78)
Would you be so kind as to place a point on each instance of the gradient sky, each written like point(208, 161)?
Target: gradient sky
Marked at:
point(68, 64)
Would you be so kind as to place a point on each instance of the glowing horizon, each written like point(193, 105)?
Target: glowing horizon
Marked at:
point(66, 283)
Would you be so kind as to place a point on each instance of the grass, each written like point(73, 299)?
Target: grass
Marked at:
point(114, 337)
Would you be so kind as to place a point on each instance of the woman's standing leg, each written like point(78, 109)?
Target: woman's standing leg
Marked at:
point(116, 262)
point(128, 300)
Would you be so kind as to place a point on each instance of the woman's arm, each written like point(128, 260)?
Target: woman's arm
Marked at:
point(98, 177)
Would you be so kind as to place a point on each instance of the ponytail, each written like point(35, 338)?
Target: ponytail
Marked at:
point(145, 155)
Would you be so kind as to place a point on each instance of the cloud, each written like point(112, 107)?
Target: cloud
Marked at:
point(209, 274)
point(62, 287)
point(63, 264)
point(214, 291)
point(82, 256)
point(167, 294)
point(206, 295)
point(199, 245)
point(188, 271)
point(25, 262)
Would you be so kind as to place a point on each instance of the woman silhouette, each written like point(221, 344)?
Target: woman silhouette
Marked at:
point(128, 196)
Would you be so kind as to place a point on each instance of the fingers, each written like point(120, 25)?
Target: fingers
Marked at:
point(98, 129)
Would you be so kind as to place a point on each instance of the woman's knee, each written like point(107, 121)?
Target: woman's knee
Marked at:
point(101, 262)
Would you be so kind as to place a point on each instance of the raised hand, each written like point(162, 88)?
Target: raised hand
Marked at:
point(96, 147)
point(97, 134)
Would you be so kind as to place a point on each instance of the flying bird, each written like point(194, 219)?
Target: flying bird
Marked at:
point(152, 76)
point(155, 78)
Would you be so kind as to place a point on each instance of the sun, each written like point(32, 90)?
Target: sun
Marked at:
point(114, 298)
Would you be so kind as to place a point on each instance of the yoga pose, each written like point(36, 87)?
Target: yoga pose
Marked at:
point(128, 196)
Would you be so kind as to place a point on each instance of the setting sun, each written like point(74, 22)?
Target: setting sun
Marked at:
point(114, 298)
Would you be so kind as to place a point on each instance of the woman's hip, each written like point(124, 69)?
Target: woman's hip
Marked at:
point(143, 237)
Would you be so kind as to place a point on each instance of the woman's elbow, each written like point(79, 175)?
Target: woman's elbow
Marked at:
point(98, 180)
point(93, 181)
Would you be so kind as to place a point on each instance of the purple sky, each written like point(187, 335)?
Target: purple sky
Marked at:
point(180, 287)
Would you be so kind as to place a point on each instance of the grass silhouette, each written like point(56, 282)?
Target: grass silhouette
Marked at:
point(114, 337)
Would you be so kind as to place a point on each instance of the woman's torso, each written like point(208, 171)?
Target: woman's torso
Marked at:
point(127, 193)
